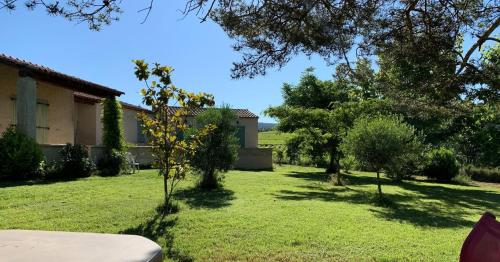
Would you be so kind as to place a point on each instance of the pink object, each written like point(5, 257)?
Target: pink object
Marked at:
point(483, 242)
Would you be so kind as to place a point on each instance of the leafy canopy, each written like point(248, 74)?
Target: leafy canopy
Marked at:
point(170, 151)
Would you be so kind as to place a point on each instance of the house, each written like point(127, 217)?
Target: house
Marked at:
point(55, 109)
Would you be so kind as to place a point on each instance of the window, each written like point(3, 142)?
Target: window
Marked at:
point(42, 123)
point(42, 120)
point(241, 136)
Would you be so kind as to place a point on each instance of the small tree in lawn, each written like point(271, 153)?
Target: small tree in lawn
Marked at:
point(379, 141)
point(219, 149)
point(170, 151)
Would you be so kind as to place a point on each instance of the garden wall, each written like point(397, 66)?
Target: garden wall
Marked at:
point(255, 159)
point(248, 158)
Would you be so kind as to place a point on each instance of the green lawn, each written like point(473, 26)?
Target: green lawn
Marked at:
point(292, 214)
point(273, 138)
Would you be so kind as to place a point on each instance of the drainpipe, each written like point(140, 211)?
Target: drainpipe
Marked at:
point(26, 104)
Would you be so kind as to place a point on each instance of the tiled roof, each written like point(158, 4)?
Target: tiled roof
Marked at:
point(241, 113)
point(49, 75)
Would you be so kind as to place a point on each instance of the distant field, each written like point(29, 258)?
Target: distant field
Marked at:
point(273, 138)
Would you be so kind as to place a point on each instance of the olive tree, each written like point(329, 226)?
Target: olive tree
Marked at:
point(379, 141)
point(219, 149)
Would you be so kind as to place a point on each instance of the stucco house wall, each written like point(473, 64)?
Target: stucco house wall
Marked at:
point(61, 122)
point(251, 131)
point(8, 77)
point(130, 125)
point(86, 124)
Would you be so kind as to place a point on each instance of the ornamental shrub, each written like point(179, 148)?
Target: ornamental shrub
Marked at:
point(20, 156)
point(113, 163)
point(441, 164)
point(74, 162)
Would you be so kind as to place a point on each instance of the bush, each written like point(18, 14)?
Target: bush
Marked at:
point(483, 174)
point(112, 163)
point(441, 164)
point(279, 155)
point(293, 149)
point(219, 149)
point(347, 163)
point(20, 156)
point(379, 142)
point(74, 163)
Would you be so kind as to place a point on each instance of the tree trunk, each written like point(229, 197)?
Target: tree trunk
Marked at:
point(165, 188)
point(379, 186)
point(332, 166)
point(339, 180)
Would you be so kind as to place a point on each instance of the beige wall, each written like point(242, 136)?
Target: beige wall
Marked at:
point(60, 112)
point(85, 123)
point(8, 78)
point(251, 131)
point(255, 159)
point(130, 125)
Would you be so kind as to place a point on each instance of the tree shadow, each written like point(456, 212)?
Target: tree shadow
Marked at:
point(16, 183)
point(202, 198)
point(310, 176)
point(159, 229)
point(426, 205)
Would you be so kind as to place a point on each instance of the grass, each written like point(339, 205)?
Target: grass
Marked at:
point(292, 214)
point(273, 138)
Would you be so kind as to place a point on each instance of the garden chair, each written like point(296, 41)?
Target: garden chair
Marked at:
point(134, 165)
point(483, 242)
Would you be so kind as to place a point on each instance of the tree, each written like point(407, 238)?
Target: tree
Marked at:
point(379, 141)
point(269, 33)
point(113, 161)
point(112, 127)
point(219, 149)
point(170, 151)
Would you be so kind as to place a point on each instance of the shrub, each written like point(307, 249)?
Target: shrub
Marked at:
point(483, 174)
point(279, 155)
point(20, 156)
point(293, 149)
point(441, 164)
point(380, 142)
point(112, 164)
point(347, 163)
point(75, 162)
point(219, 149)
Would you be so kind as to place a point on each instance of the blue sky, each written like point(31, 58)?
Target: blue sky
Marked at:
point(200, 53)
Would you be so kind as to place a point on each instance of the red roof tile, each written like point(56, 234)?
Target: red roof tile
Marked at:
point(49, 75)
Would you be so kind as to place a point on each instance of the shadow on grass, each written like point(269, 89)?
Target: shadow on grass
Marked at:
point(421, 204)
point(310, 176)
point(15, 183)
point(201, 198)
point(159, 229)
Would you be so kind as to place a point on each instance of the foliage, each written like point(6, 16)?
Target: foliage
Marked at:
point(478, 141)
point(113, 163)
point(74, 162)
point(20, 156)
point(279, 154)
point(347, 163)
point(293, 149)
point(483, 174)
point(380, 141)
point(112, 133)
point(267, 138)
point(219, 149)
point(171, 153)
point(441, 164)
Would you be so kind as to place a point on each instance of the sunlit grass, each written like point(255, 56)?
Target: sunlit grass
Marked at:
point(292, 214)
